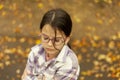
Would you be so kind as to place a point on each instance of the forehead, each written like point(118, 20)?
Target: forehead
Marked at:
point(48, 30)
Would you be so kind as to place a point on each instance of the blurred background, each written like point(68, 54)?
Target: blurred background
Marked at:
point(95, 36)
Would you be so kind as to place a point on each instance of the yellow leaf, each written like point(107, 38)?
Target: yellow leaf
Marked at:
point(37, 41)
point(17, 30)
point(119, 3)
point(18, 71)
point(118, 34)
point(96, 37)
point(87, 73)
point(8, 51)
point(22, 40)
point(1, 65)
point(7, 63)
point(79, 57)
point(20, 51)
point(13, 50)
point(77, 19)
point(40, 5)
point(14, 21)
point(108, 1)
point(1, 6)
point(108, 59)
point(112, 20)
point(27, 50)
point(76, 43)
point(114, 37)
point(111, 45)
point(1, 55)
point(118, 44)
point(84, 73)
point(96, 63)
point(98, 75)
point(30, 15)
point(6, 38)
point(100, 21)
point(3, 13)
point(102, 57)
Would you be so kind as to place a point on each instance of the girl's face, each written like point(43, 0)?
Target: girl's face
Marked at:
point(52, 43)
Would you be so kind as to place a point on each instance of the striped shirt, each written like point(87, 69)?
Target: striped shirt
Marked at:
point(64, 67)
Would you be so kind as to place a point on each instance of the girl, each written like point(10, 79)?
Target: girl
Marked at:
point(53, 59)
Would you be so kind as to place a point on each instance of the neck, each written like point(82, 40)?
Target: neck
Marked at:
point(49, 56)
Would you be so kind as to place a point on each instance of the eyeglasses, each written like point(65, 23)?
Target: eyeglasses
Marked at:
point(56, 40)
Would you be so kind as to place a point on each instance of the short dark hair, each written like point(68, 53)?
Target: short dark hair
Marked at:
point(58, 19)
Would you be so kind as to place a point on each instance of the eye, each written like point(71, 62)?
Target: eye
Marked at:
point(57, 40)
point(45, 38)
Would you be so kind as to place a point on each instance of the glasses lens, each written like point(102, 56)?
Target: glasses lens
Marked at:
point(44, 39)
point(56, 41)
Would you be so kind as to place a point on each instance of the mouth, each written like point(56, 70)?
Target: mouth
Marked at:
point(49, 49)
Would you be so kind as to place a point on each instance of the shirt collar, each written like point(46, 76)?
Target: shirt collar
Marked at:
point(63, 53)
point(61, 56)
point(38, 49)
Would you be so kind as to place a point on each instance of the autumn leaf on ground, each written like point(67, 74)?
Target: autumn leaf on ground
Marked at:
point(38, 41)
point(77, 19)
point(1, 65)
point(111, 44)
point(22, 40)
point(1, 6)
point(30, 15)
point(99, 21)
point(1, 55)
point(76, 44)
point(17, 30)
point(4, 13)
point(119, 3)
point(40, 5)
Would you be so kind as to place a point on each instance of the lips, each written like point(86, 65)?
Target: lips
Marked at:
point(49, 49)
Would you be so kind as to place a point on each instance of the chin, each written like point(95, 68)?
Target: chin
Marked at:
point(50, 52)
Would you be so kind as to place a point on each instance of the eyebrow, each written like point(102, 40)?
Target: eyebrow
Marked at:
point(53, 37)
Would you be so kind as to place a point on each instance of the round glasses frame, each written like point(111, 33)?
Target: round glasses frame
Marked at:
point(55, 40)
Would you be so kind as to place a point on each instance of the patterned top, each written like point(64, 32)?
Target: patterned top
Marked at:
point(64, 67)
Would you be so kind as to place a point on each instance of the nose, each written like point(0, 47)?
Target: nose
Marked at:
point(50, 43)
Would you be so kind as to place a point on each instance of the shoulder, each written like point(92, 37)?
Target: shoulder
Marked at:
point(71, 59)
point(37, 49)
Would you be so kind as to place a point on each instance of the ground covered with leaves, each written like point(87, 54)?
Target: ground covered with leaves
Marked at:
point(99, 59)
point(95, 37)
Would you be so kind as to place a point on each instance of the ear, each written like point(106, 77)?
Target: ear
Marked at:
point(67, 40)
point(39, 33)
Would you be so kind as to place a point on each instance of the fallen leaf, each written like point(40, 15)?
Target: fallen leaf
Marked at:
point(7, 63)
point(38, 41)
point(111, 44)
point(30, 15)
point(18, 71)
point(22, 40)
point(1, 66)
point(99, 21)
point(40, 5)
point(4, 13)
point(17, 30)
point(1, 6)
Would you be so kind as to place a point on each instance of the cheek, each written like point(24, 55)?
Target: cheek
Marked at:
point(44, 45)
point(59, 47)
